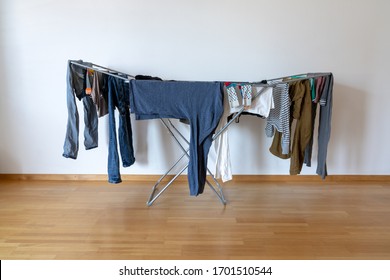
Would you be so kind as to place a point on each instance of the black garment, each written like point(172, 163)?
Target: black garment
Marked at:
point(146, 77)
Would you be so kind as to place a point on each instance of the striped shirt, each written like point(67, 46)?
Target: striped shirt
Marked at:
point(279, 117)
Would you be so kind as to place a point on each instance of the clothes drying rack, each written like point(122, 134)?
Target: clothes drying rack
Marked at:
point(176, 134)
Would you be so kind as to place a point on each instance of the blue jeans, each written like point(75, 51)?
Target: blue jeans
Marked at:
point(76, 76)
point(119, 97)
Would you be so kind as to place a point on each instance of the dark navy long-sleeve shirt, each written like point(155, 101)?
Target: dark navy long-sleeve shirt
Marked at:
point(201, 103)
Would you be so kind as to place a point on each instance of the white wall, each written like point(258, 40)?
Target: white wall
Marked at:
point(193, 40)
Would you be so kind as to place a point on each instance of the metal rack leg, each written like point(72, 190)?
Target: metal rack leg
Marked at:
point(161, 178)
point(220, 194)
point(153, 199)
point(153, 196)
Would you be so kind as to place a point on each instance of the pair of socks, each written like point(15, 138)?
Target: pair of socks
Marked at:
point(246, 93)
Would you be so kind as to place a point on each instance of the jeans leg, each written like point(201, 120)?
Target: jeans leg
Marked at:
point(91, 124)
point(125, 131)
point(113, 157)
point(71, 144)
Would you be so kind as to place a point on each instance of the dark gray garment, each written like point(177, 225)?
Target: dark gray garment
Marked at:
point(309, 148)
point(324, 128)
point(199, 102)
point(100, 93)
point(75, 87)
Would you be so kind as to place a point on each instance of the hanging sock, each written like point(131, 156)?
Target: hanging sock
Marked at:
point(232, 95)
point(246, 92)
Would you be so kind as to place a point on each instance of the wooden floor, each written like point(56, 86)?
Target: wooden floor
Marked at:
point(96, 220)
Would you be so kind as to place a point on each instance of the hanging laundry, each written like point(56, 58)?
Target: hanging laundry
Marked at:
point(260, 106)
point(324, 127)
point(301, 111)
point(246, 93)
point(119, 98)
point(279, 117)
point(198, 102)
point(99, 93)
point(232, 94)
point(147, 77)
point(201, 105)
point(88, 81)
point(320, 82)
point(76, 87)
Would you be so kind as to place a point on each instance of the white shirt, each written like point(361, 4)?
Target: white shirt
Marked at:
point(259, 106)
